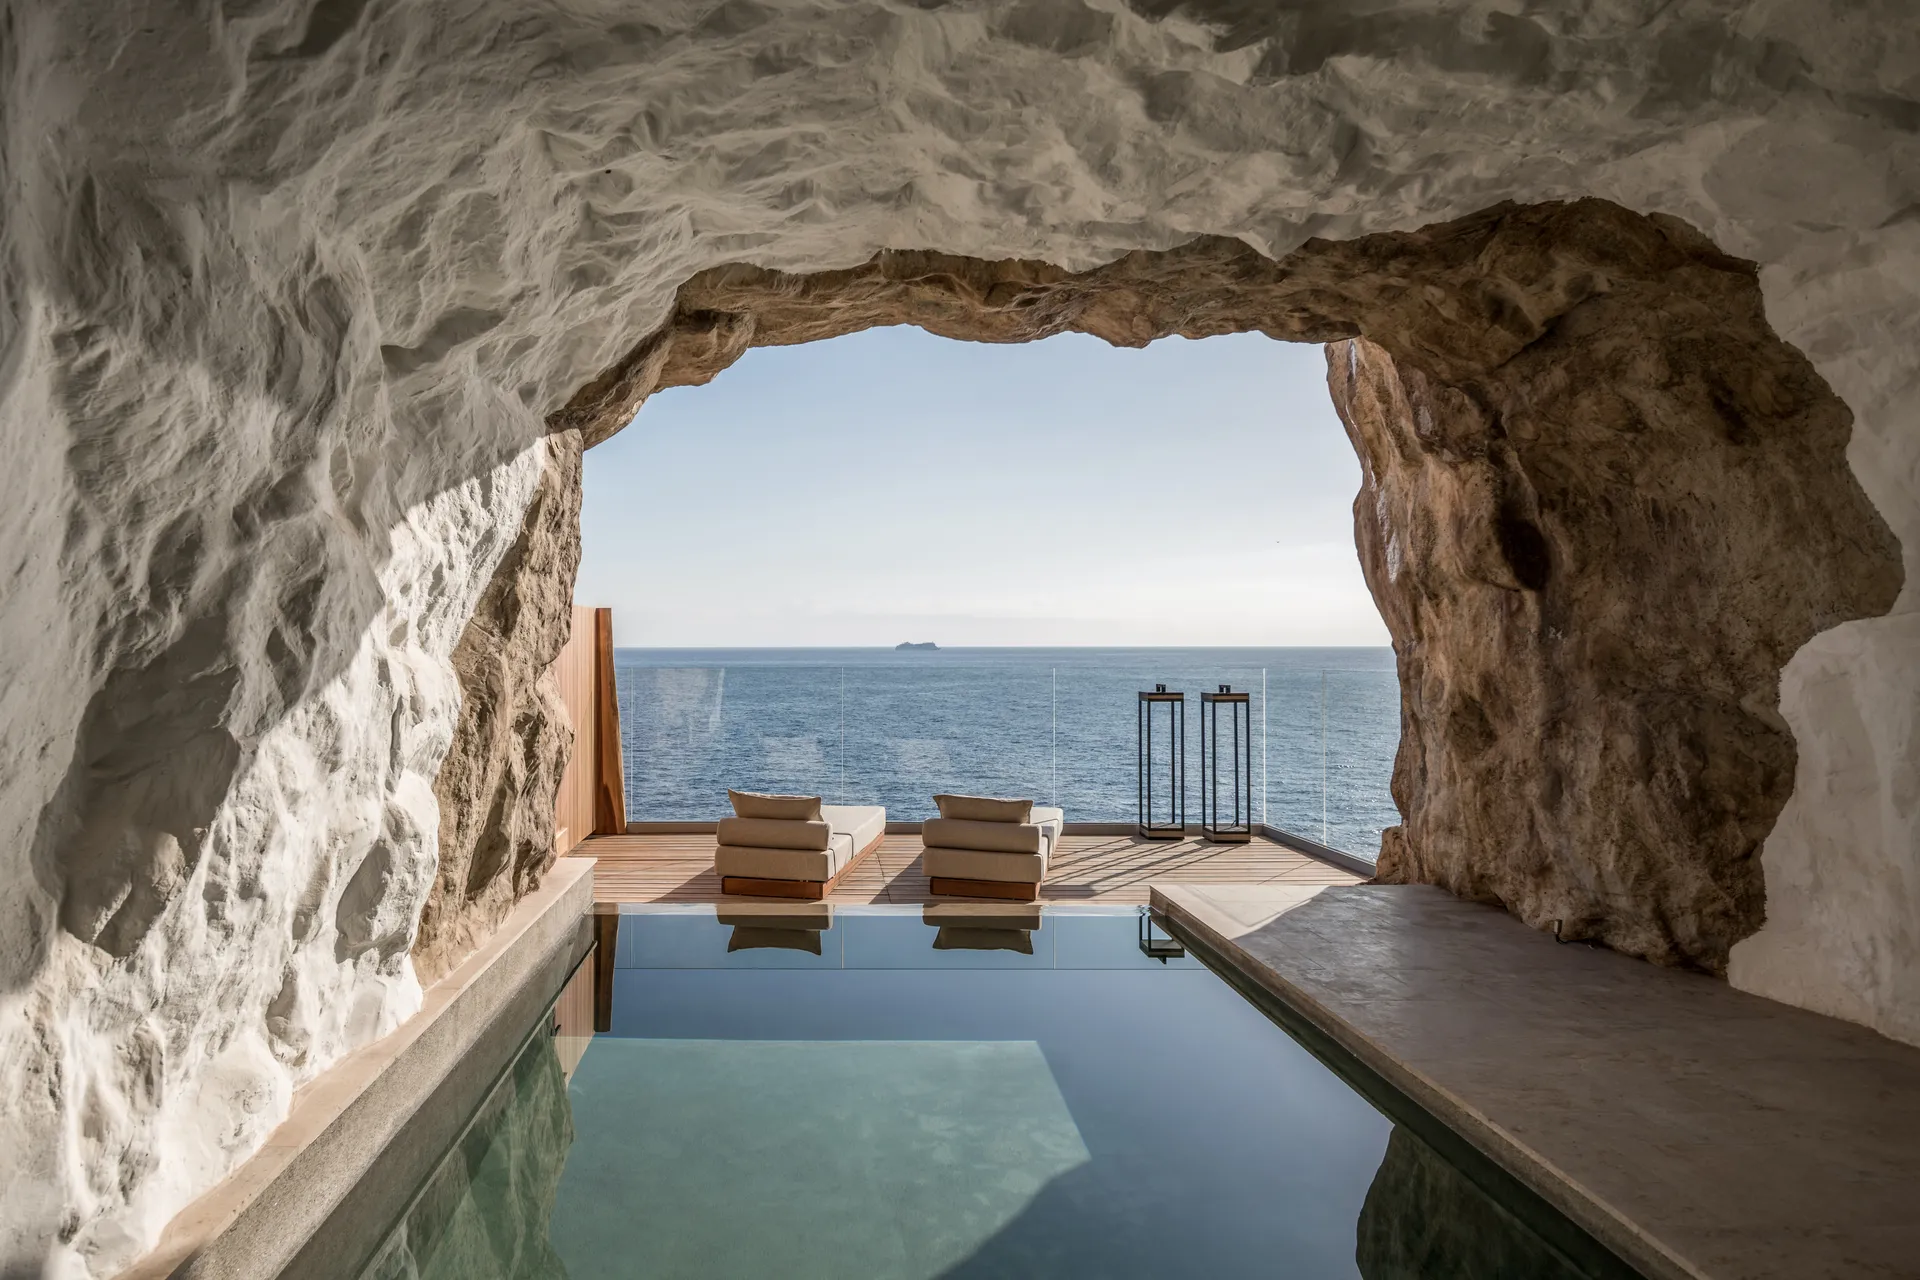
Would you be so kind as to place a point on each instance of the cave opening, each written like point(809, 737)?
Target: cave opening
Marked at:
point(1070, 520)
point(310, 309)
point(1591, 582)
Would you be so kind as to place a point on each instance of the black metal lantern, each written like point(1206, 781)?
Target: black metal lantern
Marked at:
point(1220, 822)
point(1152, 826)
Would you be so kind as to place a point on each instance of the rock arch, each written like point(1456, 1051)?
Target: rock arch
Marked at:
point(289, 289)
point(1604, 504)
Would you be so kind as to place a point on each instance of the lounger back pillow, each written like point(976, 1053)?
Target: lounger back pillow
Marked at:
point(985, 808)
point(750, 804)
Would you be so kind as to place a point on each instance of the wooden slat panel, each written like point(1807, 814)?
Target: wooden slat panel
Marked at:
point(574, 669)
point(610, 788)
point(1103, 869)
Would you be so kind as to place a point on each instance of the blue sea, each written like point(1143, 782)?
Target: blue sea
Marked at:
point(883, 726)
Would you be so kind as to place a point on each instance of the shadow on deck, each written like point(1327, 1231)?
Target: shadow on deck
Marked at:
point(1098, 868)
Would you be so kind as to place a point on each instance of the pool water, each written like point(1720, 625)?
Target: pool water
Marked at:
point(959, 1092)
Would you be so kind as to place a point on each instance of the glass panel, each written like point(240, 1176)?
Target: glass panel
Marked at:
point(1098, 724)
point(1295, 799)
point(1362, 734)
point(870, 726)
point(971, 722)
point(691, 727)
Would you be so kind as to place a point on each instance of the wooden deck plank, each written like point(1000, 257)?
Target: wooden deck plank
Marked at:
point(1115, 870)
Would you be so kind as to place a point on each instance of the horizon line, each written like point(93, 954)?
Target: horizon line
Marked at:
point(945, 648)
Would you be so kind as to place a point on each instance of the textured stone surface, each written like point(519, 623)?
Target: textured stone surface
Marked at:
point(1693, 1130)
point(1602, 507)
point(497, 784)
point(140, 1061)
point(287, 289)
point(1595, 558)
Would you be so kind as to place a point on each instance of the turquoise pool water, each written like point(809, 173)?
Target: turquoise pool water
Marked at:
point(881, 1092)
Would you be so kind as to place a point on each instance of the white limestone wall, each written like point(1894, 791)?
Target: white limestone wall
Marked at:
point(1843, 863)
point(286, 287)
point(134, 1083)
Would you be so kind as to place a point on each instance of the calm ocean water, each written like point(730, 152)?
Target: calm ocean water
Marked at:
point(879, 726)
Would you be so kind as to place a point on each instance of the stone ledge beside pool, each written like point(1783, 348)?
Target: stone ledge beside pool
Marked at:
point(358, 1134)
point(1694, 1130)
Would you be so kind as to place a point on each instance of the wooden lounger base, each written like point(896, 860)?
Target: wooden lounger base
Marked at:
point(807, 890)
point(753, 887)
point(1005, 890)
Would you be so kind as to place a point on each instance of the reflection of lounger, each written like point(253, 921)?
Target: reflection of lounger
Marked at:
point(972, 927)
point(793, 846)
point(753, 938)
point(797, 927)
point(970, 939)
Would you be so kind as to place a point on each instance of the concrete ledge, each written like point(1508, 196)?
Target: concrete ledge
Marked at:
point(317, 1198)
point(1693, 1130)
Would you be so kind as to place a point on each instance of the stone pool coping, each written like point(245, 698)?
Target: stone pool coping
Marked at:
point(274, 1215)
point(1694, 1130)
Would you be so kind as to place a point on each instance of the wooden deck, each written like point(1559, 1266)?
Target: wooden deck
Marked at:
point(1106, 869)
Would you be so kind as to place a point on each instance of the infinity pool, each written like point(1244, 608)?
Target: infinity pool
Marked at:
point(960, 1092)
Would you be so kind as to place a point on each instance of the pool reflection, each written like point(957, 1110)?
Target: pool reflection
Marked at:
point(821, 935)
point(799, 927)
point(965, 927)
point(925, 1108)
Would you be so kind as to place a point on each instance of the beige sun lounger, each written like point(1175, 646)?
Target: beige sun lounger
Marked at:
point(990, 856)
point(796, 858)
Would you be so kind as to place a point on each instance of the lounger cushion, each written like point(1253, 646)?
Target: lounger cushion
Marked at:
point(774, 833)
point(1052, 821)
point(864, 822)
point(984, 809)
point(751, 804)
point(781, 864)
point(991, 837)
point(853, 828)
point(972, 864)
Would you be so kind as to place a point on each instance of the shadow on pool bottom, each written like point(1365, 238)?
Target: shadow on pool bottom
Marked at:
point(1422, 1220)
point(890, 1106)
point(492, 1210)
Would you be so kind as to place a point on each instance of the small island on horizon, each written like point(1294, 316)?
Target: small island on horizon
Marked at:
point(924, 644)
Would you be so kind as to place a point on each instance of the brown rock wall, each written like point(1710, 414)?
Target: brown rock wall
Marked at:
point(498, 783)
point(1459, 298)
point(1603, 505)
point(1595, 556)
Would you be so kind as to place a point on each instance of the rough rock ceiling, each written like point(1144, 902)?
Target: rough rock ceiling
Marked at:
point(1603, 505)
point(288, 288)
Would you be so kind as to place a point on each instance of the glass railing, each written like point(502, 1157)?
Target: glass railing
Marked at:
point(1332, 727)
point(880, 727)
point(690, 732)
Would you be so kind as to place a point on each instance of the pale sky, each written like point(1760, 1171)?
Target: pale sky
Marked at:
point(891, 485)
